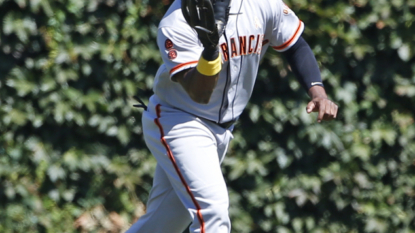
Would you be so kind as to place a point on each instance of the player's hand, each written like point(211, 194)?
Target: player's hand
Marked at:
point(327, 109)
point(221, 9)
point(207, 18)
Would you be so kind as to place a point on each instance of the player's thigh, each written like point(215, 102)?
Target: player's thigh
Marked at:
point(196, 158)
point(187, 150)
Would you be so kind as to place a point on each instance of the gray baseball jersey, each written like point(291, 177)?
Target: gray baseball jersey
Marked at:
point(253, 26)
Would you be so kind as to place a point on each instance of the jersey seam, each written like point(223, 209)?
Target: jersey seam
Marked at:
point(240, 65)
point(226, 82)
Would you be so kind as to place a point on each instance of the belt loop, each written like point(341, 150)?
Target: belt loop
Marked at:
point(141, 105)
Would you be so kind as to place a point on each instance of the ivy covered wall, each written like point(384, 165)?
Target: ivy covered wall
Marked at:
point(72, 156)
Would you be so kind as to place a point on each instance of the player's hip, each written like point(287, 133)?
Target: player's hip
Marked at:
point(171, 122)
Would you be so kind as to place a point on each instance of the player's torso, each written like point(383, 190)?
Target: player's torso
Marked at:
point(242, 47)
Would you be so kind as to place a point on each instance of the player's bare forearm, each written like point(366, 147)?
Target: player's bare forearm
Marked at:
point(198, 86)
point(327, 109)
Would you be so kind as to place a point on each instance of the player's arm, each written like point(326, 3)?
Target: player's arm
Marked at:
point(199, 86)
point(305, 67)
point(209, 21)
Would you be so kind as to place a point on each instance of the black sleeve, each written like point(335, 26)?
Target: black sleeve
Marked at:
point(304, 64)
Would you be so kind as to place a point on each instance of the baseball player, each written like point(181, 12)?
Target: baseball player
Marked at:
point(211, 52)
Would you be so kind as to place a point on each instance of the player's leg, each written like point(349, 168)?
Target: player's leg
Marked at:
point(187, 151)
point(199, 183)
point(164, 210)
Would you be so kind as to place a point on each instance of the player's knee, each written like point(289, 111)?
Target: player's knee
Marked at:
point(218, 212)
point(215, 217)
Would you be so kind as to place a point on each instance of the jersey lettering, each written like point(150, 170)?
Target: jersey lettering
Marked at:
point(257, 40)
point(242, 45)
point(254, 46)
point(250, 49)
point(233, 48)
point(260, 43)
point(225, 52)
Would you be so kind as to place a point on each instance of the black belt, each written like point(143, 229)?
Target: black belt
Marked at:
point(226, 125)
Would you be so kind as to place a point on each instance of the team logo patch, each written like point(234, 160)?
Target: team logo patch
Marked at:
point(172, 54)
point(286, 10)
point(258, 24)
point(168, 44)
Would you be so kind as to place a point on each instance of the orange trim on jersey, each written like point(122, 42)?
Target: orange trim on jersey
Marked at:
point(288, 42)
point(181, 65)
point(172, 159)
